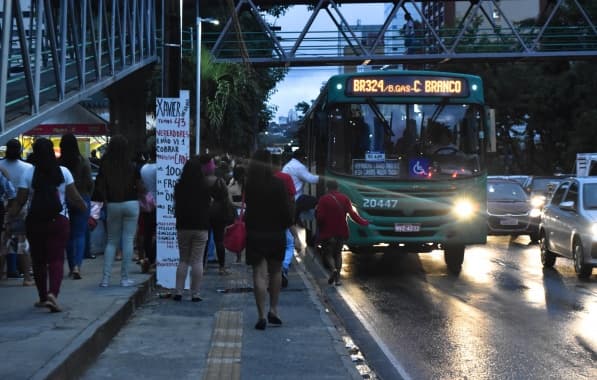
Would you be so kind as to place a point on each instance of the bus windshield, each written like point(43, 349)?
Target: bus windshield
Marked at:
point(418, 141)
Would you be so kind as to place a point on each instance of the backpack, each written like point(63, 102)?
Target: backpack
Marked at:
point(45, 203)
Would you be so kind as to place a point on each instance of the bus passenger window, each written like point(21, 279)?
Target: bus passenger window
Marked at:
point(360, 137)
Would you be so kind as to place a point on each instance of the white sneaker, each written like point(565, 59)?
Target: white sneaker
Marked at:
point(127, 283)
point(104, 284)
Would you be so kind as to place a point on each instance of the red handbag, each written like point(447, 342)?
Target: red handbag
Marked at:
point(235, 235)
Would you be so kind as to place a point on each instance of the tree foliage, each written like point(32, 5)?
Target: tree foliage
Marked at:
point(234, 97)
point(302, 107)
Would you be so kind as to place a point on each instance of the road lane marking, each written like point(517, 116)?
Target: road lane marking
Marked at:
point(384, 348)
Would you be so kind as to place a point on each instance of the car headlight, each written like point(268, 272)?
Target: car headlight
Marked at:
point(464, 209)
point(594, 231)
point(537, 201)
point(535, 213)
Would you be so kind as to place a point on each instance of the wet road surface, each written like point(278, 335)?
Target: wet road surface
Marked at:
point(504, 317)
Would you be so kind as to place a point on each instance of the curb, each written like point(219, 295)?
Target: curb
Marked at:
point(370, 360)
point(77, 356)
point(317, 296)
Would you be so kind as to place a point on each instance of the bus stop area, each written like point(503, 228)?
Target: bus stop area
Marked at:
point(90, 129)
point(215, 338)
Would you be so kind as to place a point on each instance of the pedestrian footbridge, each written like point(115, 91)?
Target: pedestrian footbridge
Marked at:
point(57, 53)
point(454, 30)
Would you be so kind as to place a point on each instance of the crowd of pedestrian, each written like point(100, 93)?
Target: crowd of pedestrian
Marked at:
point(275, 201)
point(214, 192)
point(50, 204)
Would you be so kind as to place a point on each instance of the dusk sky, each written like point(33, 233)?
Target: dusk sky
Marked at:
point(304, 83)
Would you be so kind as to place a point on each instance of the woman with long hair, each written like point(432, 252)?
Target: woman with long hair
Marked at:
point(221, 210)
point(47, 237)
point(267, 218)
point(71, 158)
point(191, 205)
point(118, 185)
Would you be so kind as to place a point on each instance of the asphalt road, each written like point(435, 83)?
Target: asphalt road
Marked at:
point(504, 317)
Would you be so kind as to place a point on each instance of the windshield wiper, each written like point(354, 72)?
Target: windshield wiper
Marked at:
point(377, 112)
point(439, 109)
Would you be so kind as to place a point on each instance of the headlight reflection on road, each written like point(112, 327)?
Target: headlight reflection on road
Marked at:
point(585, 326)
point(534, 287)
point(535, 294)
point(476, 265)
point(470, 333)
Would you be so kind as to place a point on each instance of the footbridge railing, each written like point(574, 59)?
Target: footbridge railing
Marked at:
point(57, 53)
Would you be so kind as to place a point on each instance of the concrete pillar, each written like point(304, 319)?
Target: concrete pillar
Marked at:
point(128, 106)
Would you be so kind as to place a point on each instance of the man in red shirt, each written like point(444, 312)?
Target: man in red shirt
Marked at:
point(289, 184)
point(333, 228)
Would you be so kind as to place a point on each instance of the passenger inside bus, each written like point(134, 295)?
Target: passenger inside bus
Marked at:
point(440, 140)
point(447, 157)
point(360, 132)
point(406, 144)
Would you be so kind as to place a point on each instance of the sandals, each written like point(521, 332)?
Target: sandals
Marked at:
point(52, 304)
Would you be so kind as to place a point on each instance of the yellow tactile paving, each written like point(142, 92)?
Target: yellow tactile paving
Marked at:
point(223, 359)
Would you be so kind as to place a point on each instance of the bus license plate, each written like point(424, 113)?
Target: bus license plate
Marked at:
point(398, 227)
point(508, 222)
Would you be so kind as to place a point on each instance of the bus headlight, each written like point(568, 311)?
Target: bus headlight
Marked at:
point(464, 209)
point(535, 213)
point(538, 201)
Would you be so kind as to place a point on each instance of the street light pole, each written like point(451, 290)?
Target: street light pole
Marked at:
point(198, 22)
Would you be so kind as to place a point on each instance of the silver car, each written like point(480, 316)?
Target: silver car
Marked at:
point(569, 225)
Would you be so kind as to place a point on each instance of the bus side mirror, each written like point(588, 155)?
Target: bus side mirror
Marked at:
point(321, 118)
point(492, 141)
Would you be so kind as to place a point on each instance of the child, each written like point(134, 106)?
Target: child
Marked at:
point(333, 229)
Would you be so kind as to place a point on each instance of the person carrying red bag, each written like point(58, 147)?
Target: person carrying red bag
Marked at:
point(332, 225)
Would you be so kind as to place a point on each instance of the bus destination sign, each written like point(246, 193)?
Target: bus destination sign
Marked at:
point(409, 85)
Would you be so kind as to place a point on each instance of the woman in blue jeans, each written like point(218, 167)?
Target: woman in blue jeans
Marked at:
point(118, 184)
point(71, 158)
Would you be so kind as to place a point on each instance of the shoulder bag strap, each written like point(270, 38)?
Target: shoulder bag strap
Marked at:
point(242, 206)
point(337, 202)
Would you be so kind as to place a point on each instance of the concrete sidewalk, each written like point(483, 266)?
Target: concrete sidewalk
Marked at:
point(37, 344)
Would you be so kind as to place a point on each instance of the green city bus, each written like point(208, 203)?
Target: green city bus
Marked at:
point(409, 149)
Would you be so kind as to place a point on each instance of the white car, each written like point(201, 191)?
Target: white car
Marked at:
point(569, 225)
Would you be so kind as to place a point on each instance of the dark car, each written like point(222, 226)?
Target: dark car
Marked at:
point(540, 188)
point(509, 210)
point(522, 179)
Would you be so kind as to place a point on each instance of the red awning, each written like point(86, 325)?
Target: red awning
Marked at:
point(76, 120)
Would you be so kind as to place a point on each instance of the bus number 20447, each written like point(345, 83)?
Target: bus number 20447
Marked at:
point(379, 203)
